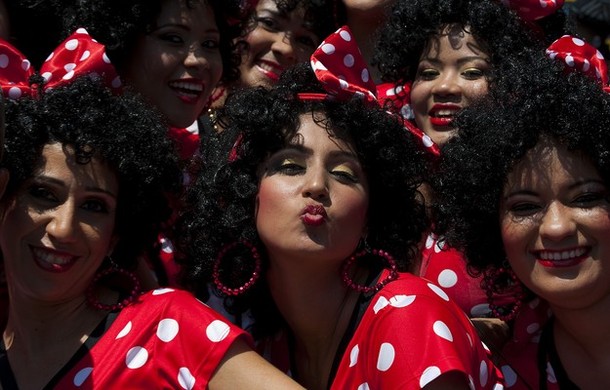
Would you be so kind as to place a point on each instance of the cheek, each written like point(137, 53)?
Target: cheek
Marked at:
point(271, 201)
point(477, 89)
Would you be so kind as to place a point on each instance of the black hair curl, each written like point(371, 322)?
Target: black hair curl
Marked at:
point(118, 24)
point(221, 204)
point(501, 33)
point(496, 133)
point(120, 130)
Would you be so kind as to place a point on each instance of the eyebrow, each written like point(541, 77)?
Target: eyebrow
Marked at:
point(570, 187)
point(459, 61)
point(301, 149)
point(57, 182)
point(183, 27)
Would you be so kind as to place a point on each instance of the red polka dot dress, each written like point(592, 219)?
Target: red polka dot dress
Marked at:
point(166, 340)
point(409, 335)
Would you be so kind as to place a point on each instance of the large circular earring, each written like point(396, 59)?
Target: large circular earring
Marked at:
point(113, 273)
point(498, 281)
point(219, 259)
point(368, 289)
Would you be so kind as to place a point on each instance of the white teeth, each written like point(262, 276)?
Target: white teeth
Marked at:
point(267, 67)
point(445, 113)
point(51, 258)
point(188, 86)
point(562, 255)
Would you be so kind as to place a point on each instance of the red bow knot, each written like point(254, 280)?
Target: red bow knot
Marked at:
point(78, 55)
point(532, 10)
point(339, 66)
point(580, 56)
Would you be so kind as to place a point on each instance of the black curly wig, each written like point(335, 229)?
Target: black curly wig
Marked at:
point(500, 32)
point(221, 204)
point(119, 130)
point(118, 24)
point(496, 134)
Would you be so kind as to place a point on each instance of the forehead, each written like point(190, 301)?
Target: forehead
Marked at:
point(182, 10)
point(314, 133)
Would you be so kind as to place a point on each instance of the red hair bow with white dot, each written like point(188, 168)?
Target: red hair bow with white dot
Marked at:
point(532, 10)
point(78, 55)
point(339, 66)
point(580, 56)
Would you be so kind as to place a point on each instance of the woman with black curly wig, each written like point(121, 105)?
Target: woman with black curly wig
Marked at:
point(524, 193)
point(275, 35)
point(450, 53)
point(310, 222)
point(87, 174)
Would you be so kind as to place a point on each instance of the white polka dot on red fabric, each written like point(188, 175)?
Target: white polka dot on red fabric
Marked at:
point(438, 291)
point(72, 44)
point(429, 374)
point(438, 247)
point(167, 329)
point(14, 93)
point(364, 386)
point(599, 55)
point(349, 60)
point(161, 291)
point(49, 57)
point(430, 239)
point(498, 386)
point(353, 355)
point(186, 379)
point(533, 328)
point(25, 65)
point(364, 75)
point(328, 48)
point(82, 31)
point(345, 35)
point(569, 60)
point(69, 67)
point(447, 278)
point(125, 331)
point(4, 60)
point(480, 310)
point(442, 330)
point(427, 141)
point(386, 357)
point(399, 301)
point(105, 58)
point(47, 76)
point(586, 65)
point(343, 84)
point(136, 357)
point(86, 54)
point(510, 376)
point(166, 245)
point(483, 373)
point(81, 376)
point(552, 54)
point(578, 42)
point(217, 331)
point(68, 75)
point(380, 304)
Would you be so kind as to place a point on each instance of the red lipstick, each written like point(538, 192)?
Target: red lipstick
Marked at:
point(313, 215)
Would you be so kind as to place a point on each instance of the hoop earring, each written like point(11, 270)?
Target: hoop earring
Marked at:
point(255, 275)
point(114, 270)
point(368, 289)
point(498, 281)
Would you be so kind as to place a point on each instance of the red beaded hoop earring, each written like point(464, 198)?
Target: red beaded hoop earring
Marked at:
point(368, 289)
point(499, 281)
point(255, 275)
point(115, 271)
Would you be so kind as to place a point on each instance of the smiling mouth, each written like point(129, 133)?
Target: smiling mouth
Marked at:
point(565, 258)
point(186, 90)
point(52, 261)
point(270, 70)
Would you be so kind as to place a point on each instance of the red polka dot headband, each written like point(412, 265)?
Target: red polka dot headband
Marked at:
point(580, 56)
point(78, 55)
point(532, 10)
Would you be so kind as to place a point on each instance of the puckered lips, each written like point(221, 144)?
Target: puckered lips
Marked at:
point(568, 257)
point(189, 90)
point(270, 69)
point(442, 114)
point(52, 260)
point(313, 215)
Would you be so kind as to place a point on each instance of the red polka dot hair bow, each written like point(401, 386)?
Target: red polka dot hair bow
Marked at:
point(580, 56)
point(78, 55)
point(532, 10)
point(340, 68)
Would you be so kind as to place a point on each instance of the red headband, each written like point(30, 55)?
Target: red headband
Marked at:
point(77, 56)
point(532, 10)
point(580, 56)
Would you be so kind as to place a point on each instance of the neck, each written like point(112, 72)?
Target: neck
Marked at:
point(317, 308)
point(582, 343)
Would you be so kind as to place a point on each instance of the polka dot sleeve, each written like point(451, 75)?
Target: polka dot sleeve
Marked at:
point(168, 339)
point(410, 335)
